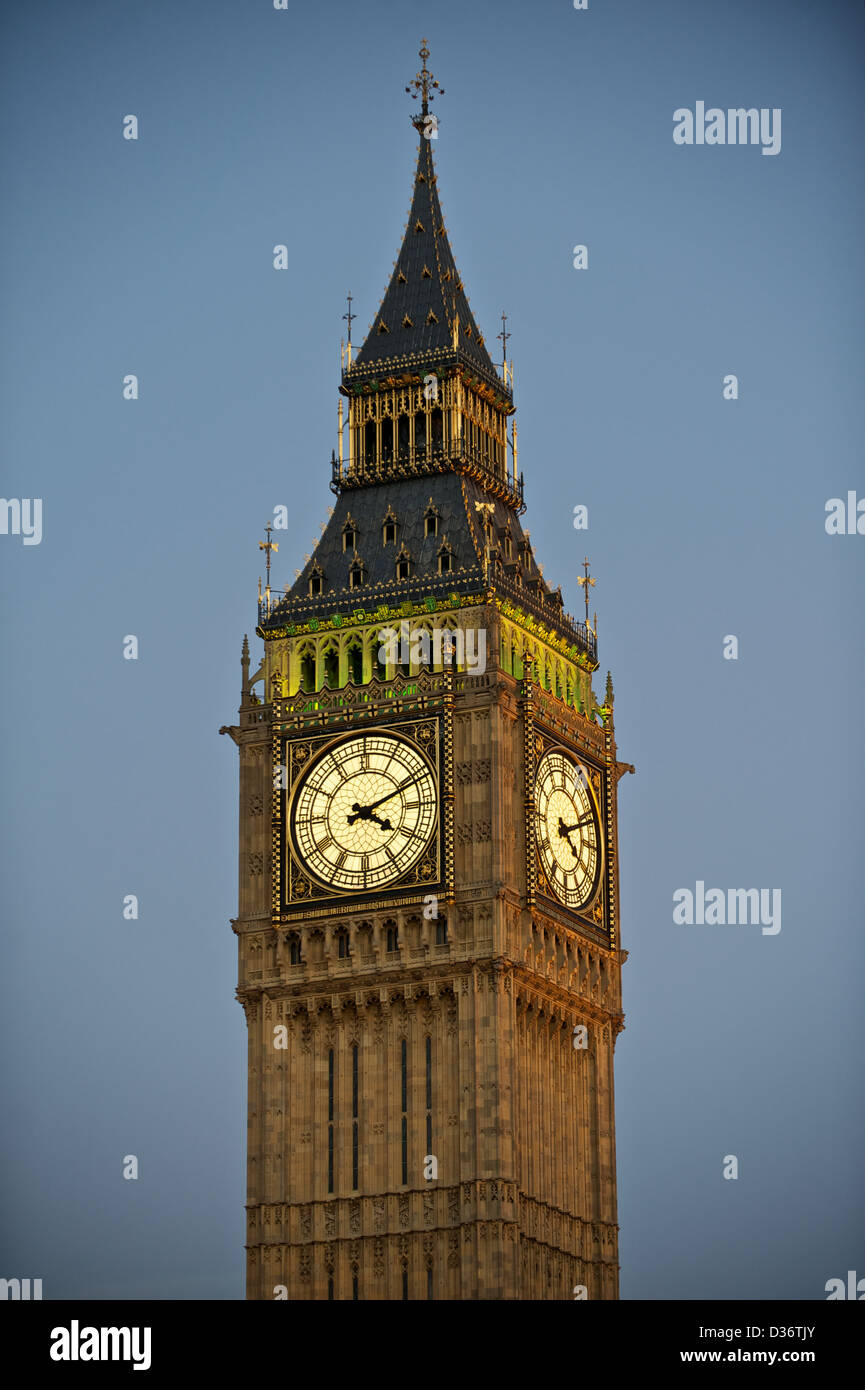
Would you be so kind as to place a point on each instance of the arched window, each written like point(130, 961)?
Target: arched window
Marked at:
point(307, 672)
point(357, 575)
point(436, 429)
point(403, 436)
point(294, 949)
point(431, 520)
point(445, 558)
point(355, 663)
point(387, 428)
point(369, 443)
point(420, 432)
point(388, 528)
point(441, 931)
point(403, 564)
point(342, 945)
point(316, 581)
point(392, 937)
point(349, 536)
point(331, 669)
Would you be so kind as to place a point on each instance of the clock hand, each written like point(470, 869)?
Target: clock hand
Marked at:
point(365, 812)
point(411, 782)
point(565, 830)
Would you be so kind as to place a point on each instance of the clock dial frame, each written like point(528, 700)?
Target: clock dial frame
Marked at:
point(364, 812)
point(568, 829)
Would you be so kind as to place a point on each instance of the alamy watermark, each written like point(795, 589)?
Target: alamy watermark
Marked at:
point(731, 907)
point(22, 517)
point(731, 127)
point(465, 646)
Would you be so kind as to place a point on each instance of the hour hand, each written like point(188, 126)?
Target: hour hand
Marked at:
point(565, 834)
point(368, 813)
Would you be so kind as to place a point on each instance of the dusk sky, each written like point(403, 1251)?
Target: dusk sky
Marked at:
point(260, 127)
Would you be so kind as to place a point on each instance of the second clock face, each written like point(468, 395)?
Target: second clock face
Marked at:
point(364, 812)
point(568, 829)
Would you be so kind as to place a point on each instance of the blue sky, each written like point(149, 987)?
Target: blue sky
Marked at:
point(706, 518)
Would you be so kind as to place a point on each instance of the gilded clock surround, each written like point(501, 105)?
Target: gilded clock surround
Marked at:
point(437, 1015)
point(303, 887)
point(565, 786)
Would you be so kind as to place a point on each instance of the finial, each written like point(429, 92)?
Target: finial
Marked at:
point(349, 316)
point(586, 584)
point(504, 335)
point(267, 546)
point(608, 693)
point(423, 86)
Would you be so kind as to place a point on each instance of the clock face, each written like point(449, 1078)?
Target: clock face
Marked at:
point(568, 828)
point(364, 812)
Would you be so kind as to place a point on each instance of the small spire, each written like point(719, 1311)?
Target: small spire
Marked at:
point(608, 693)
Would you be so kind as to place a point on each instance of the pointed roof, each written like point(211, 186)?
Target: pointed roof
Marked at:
point(425, 301)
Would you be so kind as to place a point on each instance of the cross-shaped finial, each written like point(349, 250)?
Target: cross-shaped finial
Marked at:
point(267, 546)
point(423, 86)
point(586, 584)
point(349, 316)
point(504, 335)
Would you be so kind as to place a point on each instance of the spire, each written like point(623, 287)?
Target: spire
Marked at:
point(425, 301)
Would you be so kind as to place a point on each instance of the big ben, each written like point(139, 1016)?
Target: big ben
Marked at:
point(428, 915)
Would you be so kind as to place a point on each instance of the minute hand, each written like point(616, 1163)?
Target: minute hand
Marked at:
point(412, 782)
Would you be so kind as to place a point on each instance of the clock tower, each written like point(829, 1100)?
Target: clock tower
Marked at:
point(428, 919)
